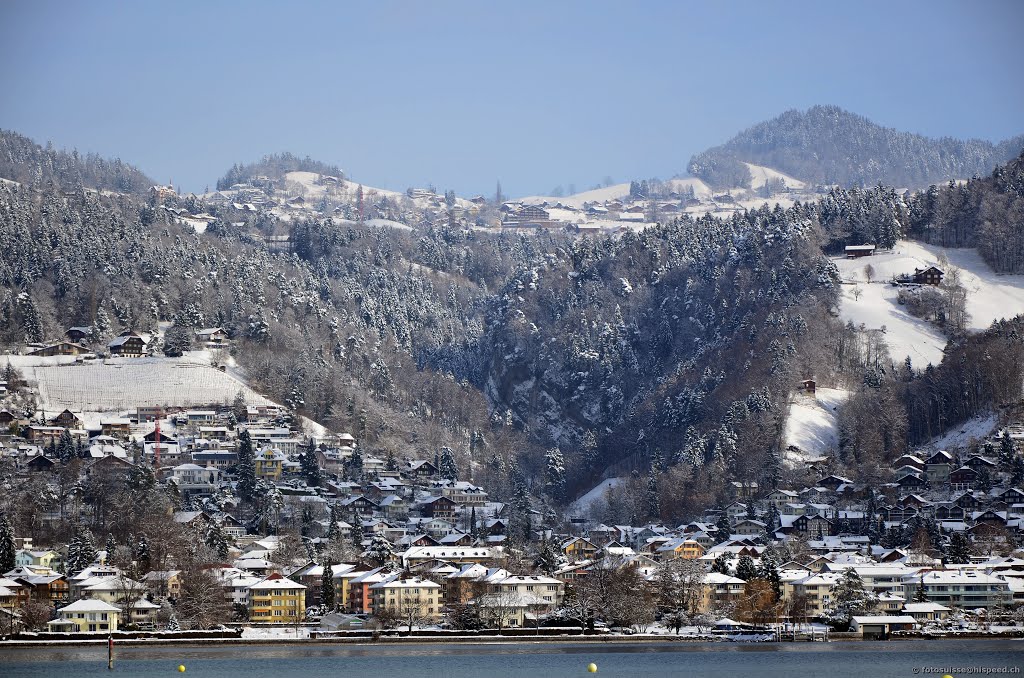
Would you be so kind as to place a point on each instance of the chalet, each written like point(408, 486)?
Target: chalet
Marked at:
point(833, 482)
point(420, 469)
point(39, 464)
point(911, 481)
point(60, 348)
point(808, 386)
point(212, 336)
point(117, 427)
point(363, 506)
point(938, 467)
point(909, 460)
point(438, 507)
point(963, 478)
point(129, 345)
point(812, 527)
point(857, 251)
point(981, 464)
point(927, 276)
point(78, 334)
point(7, 417)
point(579, 548)
point(68, 419)
point(42, 435)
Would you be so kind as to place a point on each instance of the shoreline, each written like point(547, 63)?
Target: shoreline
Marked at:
point(471, 640)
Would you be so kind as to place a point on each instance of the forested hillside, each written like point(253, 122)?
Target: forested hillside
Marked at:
point(828, 145)
point(26, 162)
point(666, 354)
point(985, 213)
point(274, 166)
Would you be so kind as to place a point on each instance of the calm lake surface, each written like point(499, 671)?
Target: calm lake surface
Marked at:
point(526, 660)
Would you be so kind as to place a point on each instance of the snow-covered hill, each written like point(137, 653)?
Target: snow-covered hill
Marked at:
point(991, 296)
point(812, 424)
point(760, 175)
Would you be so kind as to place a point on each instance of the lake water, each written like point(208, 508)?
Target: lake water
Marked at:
point(895, 659)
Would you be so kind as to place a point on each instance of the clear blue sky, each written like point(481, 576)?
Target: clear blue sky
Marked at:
point(461, 94)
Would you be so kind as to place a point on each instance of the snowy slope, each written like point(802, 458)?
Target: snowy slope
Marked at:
point(905, 335)
point(586, 504)
point(961, 436)
point(812, 423)
point(616, 192)
point(126, 383)
point(990, 296)
point(760, 175)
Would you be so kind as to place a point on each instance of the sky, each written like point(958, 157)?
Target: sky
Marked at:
point(461, 95)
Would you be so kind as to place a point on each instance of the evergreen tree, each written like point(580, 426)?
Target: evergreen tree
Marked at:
point(724, 527)
point(66, 447)
point(959, 550)
point(722, 564)
point(768, 570)
point(849, 598)
point(311, 465)
point(246, 467)
point(215, 539)
point(357, 531)
point(652, 497)
point(81, 551)
point(111, 547)
point(140, 552)
point(380, 551)
point(1007, 452)
point(772, 518)
point(355, 464)
point(327, 588)
point(554, 475)
point(745, 569)
point(7, 545)
point(448, 469)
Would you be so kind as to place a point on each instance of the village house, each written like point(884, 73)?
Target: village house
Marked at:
point(129, 345)
point(86, 616)
point(60, 348)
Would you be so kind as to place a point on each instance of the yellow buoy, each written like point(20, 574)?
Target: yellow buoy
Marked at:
point(181, 668)
point(592, 667)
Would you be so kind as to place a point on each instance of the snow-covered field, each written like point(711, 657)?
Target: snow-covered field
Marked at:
point(759, 176)
point(126, 383)
point(990, 296)
point(812, 423)
point(585, 505)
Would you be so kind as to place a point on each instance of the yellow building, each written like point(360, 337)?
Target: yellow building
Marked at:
point(414, 597)
point(687, 549)
point(87, 616)
point(719, 591)
point(579, 548)
point(270, 464)
point(277, 600)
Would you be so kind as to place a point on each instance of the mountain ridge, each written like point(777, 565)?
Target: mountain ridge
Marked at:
point(829, 145)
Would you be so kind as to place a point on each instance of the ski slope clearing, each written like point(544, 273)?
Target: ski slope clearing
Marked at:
point(961, 436)
point(126, 383)
point(759, 176)
point(990, 296)
point(812, 425)
point(586, 504)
